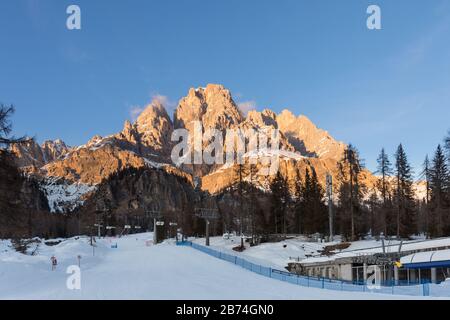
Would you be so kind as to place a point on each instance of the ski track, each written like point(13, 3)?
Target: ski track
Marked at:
point(135, 271)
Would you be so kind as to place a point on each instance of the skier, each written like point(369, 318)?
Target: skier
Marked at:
point(54, 262)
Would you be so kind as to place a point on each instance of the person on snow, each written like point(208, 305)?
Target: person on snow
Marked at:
point(54, 262)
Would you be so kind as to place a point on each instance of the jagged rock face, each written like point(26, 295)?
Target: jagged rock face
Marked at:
point(91, 165)
point(31, 154)
point(148, 140)
point(265, 122)
point(213, 106)
point(131, 192)
point(53, 150)
point(147, 143)
point(20, 198)
point(63, 196)
point(154, 128)
point(28, 154)
point(260, 119)
point(149, 137)
point(307, 138)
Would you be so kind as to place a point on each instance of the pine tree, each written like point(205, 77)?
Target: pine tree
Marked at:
point(280, 200)
point(252, 197)
point(426, 176)
point(373, 205)
point(385, 170)
point(404, 195)
point(314, 209)
point(439, 177)
point(240, 172)
point(350, 191)
point(298, 202)
point(447, 144)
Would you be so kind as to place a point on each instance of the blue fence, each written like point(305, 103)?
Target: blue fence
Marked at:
point(425, 289)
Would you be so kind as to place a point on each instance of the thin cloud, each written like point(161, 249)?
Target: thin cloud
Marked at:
point(135, 111)
point(169, 105)
point(247, 106)
point(420, 49)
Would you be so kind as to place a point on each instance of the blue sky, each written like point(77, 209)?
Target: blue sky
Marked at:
point(317, 58)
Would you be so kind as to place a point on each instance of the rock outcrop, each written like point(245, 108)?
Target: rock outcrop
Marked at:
point(307, 138)
point(213, 106)
point(31, 154)
point(20, 199)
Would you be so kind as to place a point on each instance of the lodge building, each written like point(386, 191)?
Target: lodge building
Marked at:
point(413, 262)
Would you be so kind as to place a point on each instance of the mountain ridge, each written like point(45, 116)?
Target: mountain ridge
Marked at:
point(147, 143)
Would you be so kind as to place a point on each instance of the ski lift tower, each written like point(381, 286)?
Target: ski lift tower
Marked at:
point(207, 214)
point(157, 216)
point(330, 204)
point(99, 228)
point(102, 210)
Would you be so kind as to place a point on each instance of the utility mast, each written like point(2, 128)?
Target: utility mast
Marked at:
point(330, 204)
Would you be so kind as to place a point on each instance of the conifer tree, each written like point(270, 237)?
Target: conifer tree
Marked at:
point(350, 191)
point(298, 201)
point(425, 175)
point(280, 199)
point(439, 176)
point(240, 171)
point(404, 195)
point(313, 204)
point(447, 144)
point(385, 170)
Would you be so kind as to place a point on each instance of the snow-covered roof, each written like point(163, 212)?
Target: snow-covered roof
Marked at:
point(371, 248)
point(424, 257)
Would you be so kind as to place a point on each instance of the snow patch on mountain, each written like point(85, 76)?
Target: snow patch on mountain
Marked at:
point(63, 197)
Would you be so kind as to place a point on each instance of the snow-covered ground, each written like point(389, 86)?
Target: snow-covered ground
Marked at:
point(277, 255)
point(137, 271)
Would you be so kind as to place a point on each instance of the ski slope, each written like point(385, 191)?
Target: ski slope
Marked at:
point(137, 271)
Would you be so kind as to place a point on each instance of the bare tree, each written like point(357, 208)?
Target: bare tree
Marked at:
point(6, 127)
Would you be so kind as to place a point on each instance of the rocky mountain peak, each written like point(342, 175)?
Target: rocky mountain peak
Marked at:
point(31, 154)
point(152, 115)
point(95, 140)
point(286, 117)
point(213, 106)
point(261, 119)
point(306, 137)
point(153, 126)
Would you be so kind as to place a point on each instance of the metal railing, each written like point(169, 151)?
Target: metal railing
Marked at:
point(425, 289)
